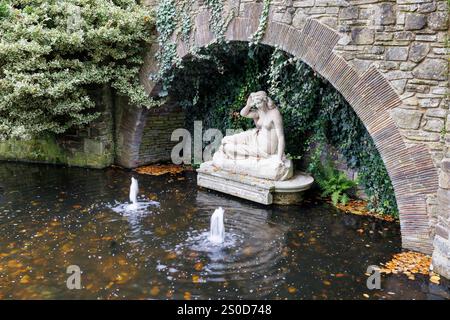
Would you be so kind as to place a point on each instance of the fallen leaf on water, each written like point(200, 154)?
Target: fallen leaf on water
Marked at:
point(154, 291)
point(121, 278)
point(292, 290)
point(67, 248)
point(153, 196)
point(187, 295)
point(326, 282)
point(435, 279)
point(198, 266)
point(171, 255)
point(359, 207)
point(408, 263)
point(25, 279)
point(195, 279)
point(160, 169)
point(122, 261)
point(14, 264)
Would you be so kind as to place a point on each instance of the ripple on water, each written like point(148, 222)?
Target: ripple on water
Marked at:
point(252, 249)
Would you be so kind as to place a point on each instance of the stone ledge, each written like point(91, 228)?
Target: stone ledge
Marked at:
point(254, 189)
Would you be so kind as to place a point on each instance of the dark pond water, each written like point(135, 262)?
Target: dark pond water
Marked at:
point(52, 217)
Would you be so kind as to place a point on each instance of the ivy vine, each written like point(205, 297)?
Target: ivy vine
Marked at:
point(263, 20)
point(166, 24)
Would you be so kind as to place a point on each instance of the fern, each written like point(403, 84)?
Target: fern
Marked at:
point(333, 183)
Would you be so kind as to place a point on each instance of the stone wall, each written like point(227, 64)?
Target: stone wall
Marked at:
point(405, 40)
point(387, 58)
point(156, 144)
point(88, 147)
point(441, 253)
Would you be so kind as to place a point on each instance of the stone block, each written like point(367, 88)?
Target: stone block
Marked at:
point(418, 51)
point(433, 69)
point(303, 3)
point(349, 13)
point(445, 165)
point(363, 36)
point(429, 102)
point(436, 113)
point(397, 53)
point(399, 85)
point(426, 37)
point(434, 125)
point(93, 147)
point(444, 179)
point(426, 7)
point(299, 19)
point(385, 14)
point(405, 36)
point(414, 21)
point(438, 20)
point(407, 119)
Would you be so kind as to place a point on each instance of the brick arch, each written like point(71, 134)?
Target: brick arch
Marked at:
point(411, 169)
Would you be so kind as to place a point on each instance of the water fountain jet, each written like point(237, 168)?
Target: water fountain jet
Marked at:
point(217, 227)
point(134, 190)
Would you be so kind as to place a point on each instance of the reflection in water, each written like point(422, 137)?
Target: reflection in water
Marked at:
point(53, 217)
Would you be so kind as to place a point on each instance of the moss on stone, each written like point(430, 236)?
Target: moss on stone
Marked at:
point(47, 150)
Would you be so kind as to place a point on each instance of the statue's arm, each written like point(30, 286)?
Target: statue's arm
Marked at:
point(278, 123)
point(245, 112)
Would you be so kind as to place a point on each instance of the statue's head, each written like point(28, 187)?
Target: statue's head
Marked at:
point(261, 100)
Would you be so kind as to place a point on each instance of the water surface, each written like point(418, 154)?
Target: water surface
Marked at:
point(53, 217)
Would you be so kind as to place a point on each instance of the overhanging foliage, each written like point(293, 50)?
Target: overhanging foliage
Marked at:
point(52, 52)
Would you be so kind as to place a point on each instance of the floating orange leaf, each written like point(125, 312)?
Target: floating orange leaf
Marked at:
point(187, 295)
point(160, 169)
point(410, 263)
point(359, 207)
point(198, 266)
point(171, 256)
point(154, 291)
point(25, 279)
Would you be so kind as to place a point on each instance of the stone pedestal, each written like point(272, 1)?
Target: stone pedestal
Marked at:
point(254, 189)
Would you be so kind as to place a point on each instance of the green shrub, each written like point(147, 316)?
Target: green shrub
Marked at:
point(333, 183)
point(53, 51)
point(4, 10)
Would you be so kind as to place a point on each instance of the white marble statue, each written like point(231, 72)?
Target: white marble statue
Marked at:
point(257, 152)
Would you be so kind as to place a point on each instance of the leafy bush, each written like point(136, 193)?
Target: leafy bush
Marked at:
point(4, 9)
point(214, 84)
point(52, 52)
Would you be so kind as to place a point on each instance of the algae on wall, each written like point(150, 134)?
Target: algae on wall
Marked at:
point(91, 147)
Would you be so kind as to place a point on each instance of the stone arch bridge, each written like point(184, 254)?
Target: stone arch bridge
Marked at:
point(387, 58)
